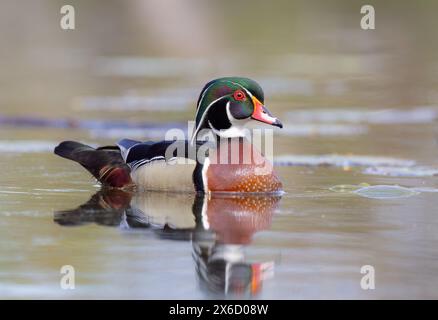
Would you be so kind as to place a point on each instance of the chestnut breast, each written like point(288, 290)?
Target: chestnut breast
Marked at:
point(237, 166)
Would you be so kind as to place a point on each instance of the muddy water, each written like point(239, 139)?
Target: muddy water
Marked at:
point(357, 157)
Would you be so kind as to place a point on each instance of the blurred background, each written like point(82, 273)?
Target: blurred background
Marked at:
point(154, 51)
point(147, 62)
point(359, 107)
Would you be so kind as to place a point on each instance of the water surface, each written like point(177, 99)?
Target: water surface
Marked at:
point(357, 157)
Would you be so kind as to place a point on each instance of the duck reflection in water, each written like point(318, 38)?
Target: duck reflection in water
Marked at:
point(220, 227)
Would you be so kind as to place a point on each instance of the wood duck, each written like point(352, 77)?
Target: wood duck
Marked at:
point(219, 226)
point(225, 106)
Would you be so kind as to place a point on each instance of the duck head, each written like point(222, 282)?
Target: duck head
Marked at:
point(226, 105)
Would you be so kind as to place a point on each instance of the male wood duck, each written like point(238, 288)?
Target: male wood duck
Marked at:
point(219, 227)
point(225, 106)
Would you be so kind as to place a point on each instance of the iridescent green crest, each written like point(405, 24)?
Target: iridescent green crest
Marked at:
point(224, 88)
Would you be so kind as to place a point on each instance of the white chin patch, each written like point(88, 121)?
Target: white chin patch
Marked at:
point(231, 133)
point(236, 130)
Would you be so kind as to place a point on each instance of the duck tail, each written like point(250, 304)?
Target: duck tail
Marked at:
point(105, 164)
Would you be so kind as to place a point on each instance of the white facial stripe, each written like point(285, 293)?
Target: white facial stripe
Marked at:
point(203, 118)
point(202, 98)
point(229, 115)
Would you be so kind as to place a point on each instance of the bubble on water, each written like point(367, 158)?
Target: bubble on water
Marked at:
point(385, 192)
point(347, 188)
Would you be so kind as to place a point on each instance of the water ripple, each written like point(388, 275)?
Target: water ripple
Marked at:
point(385, 192)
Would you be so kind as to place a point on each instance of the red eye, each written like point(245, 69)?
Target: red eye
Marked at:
point(239, 95)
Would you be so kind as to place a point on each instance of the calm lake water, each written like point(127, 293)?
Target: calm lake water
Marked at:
point(358, 155)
